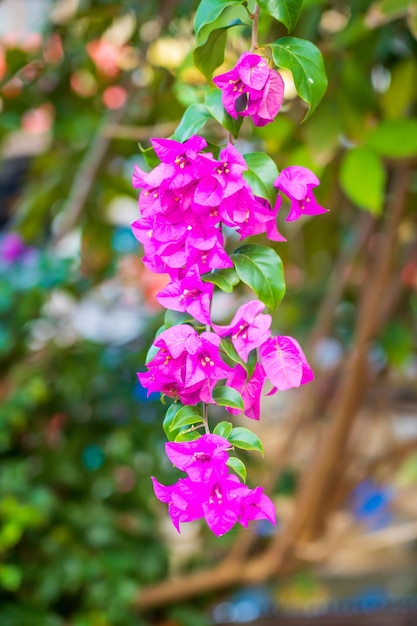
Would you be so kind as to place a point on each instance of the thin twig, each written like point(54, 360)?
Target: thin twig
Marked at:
point(86, 175)
point(255, 25)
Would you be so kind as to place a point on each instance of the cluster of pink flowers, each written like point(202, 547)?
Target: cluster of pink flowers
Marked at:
point(184, 202)
point(209, 490)
point(188, 365)
point(252, 89)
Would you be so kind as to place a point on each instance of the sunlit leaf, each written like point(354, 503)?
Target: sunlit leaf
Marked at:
point(245, 439)
point(192, 121)
point(227, 396)
point(224, 279)
point(223, 429)
point(187, 416)
point(262, 270)
point(237, 466)
point(305, 62)
point(208, 11)
point(261, 175)
point(285, 11)
point(363, 177)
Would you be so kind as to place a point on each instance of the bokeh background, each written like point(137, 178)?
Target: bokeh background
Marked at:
point(83, 542)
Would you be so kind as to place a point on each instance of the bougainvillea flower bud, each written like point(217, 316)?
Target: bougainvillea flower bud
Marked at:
point(285, 363)
point(249, 328)
point(251, 89)
point(203, 459)
point(297, 183)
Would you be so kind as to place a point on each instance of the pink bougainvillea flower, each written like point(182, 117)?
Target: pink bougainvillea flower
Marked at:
point(154, 381)
point(178, 340)
point(203, 459)
point(208, 258)
point(297, 183)
point(223, 506)
point(189, 295)
point(205, 363)
point(257, 506)
point(250, 215)
point(222, 501)
point(249, 328)
point(183, 505)
point(285, 363)
point(220, 179)
point(187, 365)
point(249, 388)
point(251, 89)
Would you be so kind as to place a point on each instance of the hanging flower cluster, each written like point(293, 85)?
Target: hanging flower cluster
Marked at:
point(185, 202)
point(188, 365)
point(252, 89)
point(209, 490)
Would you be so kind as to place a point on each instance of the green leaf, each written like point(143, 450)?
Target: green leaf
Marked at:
point(285, 11)
point(217, 110)
point(223, 429)
point(169, 418)
point(245, 439)
point(229, 349)
point(224, 279)
point(237, 466)
point(305, 62)
point(262, 270)
point(394, 138)
point(227, 396)
point(251, 364)
point(261, 175)
point(187, 435)
point(208, 11)
point(192, 121)
point(363, 177)
point(210, 55)
point(211, 43)
point(173, 318)
point(149, 155)
point(186, 416)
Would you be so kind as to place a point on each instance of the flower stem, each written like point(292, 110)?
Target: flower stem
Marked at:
point(255, 23)
point(205, 418)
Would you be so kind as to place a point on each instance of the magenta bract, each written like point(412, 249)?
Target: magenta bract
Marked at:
point(209, 490)
point(285, 363)
point(297, 183)
point(251, 89)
